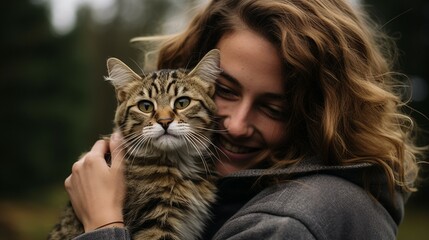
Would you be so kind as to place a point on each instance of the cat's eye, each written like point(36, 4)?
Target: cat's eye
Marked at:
point(145, 106)
point(182, 102)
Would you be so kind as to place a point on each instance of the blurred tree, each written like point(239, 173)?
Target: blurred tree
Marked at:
point(55, 102)
point(43, 90)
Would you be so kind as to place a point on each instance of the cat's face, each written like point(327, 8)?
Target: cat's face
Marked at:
point(167, 110)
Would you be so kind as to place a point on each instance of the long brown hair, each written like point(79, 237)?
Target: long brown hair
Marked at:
point(341, 99)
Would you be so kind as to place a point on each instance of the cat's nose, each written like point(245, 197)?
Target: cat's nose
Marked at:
point(165, 122)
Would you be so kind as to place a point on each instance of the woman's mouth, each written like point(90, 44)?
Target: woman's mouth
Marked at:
point(236, 157)
point(236, 149)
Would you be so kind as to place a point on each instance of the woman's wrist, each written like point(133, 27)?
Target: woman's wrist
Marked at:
point(111, 224)
point(104, 219)
point(106, 224)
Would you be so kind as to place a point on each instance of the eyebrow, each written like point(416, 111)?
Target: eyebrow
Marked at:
point(228, 77)
point(233, 80)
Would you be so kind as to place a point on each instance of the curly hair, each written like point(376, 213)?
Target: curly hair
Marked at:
point(340, 88)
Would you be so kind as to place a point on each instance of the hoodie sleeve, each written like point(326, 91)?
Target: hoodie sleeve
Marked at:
point(106, 234)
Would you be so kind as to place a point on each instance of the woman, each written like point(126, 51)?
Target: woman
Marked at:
point(316, 146)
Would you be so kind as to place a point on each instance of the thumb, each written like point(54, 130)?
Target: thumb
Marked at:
point(116, 146)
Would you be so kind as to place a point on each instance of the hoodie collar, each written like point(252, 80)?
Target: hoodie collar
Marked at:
point(393, 202)
point(308, 165)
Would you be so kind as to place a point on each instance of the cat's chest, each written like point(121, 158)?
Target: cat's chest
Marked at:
point(168, 183)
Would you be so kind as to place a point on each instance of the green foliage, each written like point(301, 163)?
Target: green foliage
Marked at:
point(54, 100)
point(43, 93)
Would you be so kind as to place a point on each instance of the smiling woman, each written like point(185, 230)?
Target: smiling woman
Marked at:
point(313, 140)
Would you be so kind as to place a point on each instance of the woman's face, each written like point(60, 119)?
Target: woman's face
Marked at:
point(249, 97)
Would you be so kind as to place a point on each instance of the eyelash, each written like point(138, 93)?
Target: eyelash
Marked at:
point(225, 92)
point(272, 112)
point(229, 94)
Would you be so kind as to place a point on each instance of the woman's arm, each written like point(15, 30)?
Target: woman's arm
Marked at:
point(97, 190)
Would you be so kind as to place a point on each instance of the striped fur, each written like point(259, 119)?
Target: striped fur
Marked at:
point(165, 118)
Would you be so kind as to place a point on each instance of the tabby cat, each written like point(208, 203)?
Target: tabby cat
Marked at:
point(165, 118)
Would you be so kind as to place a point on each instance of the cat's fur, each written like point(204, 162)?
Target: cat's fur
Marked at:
point(165, 118)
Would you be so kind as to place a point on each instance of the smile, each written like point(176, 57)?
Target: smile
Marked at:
point(235, 148)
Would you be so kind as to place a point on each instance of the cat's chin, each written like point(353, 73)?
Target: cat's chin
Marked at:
point(168, 142)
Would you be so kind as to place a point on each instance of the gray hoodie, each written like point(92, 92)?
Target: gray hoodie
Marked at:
point(315, 202)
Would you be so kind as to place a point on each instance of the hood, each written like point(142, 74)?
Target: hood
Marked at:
point(368, 176)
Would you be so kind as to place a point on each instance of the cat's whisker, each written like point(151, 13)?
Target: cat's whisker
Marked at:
point(127, 141)
point(125, 145)
point(139, 67)
point(186, 142)
point(203, 140)
point(216, 121)
point(121, 148)
point(208, 140)
point(211, 129)
point(213, 157)
point(191, 139)
point(138, 146)
point(131, 144)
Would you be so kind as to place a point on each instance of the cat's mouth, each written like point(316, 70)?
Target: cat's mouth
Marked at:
point(227, 145)
point(167, 142)
point(167, 136)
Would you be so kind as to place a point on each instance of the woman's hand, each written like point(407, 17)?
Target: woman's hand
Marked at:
point(96, 190)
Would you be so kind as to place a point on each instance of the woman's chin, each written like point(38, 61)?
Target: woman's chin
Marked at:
point(231, 162)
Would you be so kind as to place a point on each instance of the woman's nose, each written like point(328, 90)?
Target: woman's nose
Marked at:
point(238, 122)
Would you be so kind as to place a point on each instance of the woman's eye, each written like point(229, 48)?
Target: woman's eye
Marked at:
point(145, 106)
point(225, 92)
point(182, 102)
point(274, 112)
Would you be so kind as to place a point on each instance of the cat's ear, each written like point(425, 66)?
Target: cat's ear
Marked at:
point(208, 69)
point(120, 75)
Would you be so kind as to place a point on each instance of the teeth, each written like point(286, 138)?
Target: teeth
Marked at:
point(236, 149)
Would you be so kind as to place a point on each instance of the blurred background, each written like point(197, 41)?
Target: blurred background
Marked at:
point(56, 103)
